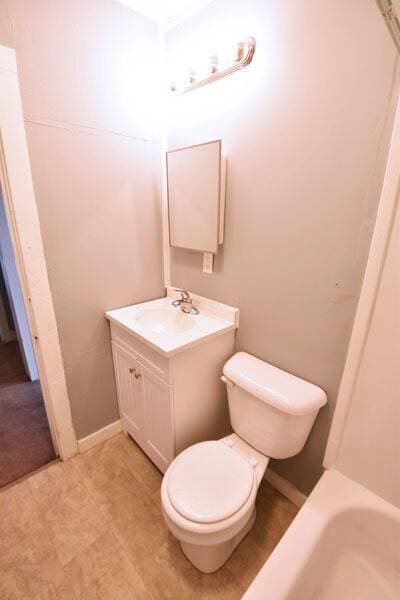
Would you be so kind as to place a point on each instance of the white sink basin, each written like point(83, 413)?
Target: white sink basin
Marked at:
point(165, 320)
point(167, 329)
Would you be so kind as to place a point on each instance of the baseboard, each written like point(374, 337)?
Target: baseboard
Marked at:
point(285, 488)
point(99, 436)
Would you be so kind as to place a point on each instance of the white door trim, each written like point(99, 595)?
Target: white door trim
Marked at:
point(388, 205)
point(23, 220)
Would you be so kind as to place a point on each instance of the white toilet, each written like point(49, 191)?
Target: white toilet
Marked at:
point(209, 491)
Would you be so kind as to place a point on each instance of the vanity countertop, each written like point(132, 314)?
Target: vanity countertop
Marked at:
point(169, 330)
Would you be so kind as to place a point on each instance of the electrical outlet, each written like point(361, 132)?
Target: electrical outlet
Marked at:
point(208, 262)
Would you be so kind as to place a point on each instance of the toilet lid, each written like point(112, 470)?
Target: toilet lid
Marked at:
point(209, 482)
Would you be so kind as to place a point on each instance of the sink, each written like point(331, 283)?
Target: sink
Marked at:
point(165, 320)
point(167, 329)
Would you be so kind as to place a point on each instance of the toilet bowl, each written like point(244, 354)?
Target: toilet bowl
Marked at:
point(209, 491)
point(208, 498)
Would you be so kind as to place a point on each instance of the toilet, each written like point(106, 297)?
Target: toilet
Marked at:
point(208, 492)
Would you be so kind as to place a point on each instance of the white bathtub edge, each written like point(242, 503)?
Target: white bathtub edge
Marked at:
point(333, 494)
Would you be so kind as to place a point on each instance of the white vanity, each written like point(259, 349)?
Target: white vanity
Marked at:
point(168, 366)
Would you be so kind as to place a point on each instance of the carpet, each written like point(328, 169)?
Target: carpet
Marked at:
point(12, 368)
point(25, 440)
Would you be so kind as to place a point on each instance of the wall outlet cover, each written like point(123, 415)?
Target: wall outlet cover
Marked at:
point(208, 262)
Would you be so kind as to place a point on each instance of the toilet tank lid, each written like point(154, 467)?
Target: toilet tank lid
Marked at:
point(277, 388)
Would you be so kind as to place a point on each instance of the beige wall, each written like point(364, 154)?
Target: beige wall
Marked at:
point(305, 128)
point(6, 37)
point(370, 447)
point(90, 129)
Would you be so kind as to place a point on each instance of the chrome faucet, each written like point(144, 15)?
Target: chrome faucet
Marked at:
point(185, 302)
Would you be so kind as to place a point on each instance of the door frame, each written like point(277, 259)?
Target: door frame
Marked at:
point(23, 220)
point(14, 296)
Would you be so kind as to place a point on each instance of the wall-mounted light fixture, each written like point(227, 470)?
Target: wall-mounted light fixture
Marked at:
point(217, 67)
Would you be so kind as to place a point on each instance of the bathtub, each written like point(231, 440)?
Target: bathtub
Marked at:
point(344, 544)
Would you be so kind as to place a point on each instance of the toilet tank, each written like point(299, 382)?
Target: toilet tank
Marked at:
point(270, 409)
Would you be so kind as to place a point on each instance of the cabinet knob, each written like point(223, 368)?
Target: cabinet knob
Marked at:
point(131, 370)
point(137, 375)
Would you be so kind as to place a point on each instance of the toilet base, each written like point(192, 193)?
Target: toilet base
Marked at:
point(211, 558)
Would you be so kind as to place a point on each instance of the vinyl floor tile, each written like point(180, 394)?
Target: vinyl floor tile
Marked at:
point(92, 529)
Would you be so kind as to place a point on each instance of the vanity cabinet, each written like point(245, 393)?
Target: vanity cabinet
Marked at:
point(145, 404)
point(168, 403)
point(129, 390)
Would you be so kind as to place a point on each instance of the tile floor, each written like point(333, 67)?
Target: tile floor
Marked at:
point(91, 528)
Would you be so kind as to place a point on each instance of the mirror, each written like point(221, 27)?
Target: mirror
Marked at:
point(195, 196)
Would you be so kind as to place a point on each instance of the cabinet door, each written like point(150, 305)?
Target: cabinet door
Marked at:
point(130, 399)
point(158, 415)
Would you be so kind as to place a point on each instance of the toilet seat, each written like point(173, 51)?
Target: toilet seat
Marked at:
point(210, 534)
point(209, 482)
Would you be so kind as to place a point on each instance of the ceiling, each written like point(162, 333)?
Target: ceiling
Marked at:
point(162, 10)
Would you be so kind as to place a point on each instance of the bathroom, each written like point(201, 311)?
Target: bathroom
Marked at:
point(92, 111)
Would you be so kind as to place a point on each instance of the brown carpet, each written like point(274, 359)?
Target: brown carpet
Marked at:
point(25, 440)
point(11, 366)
